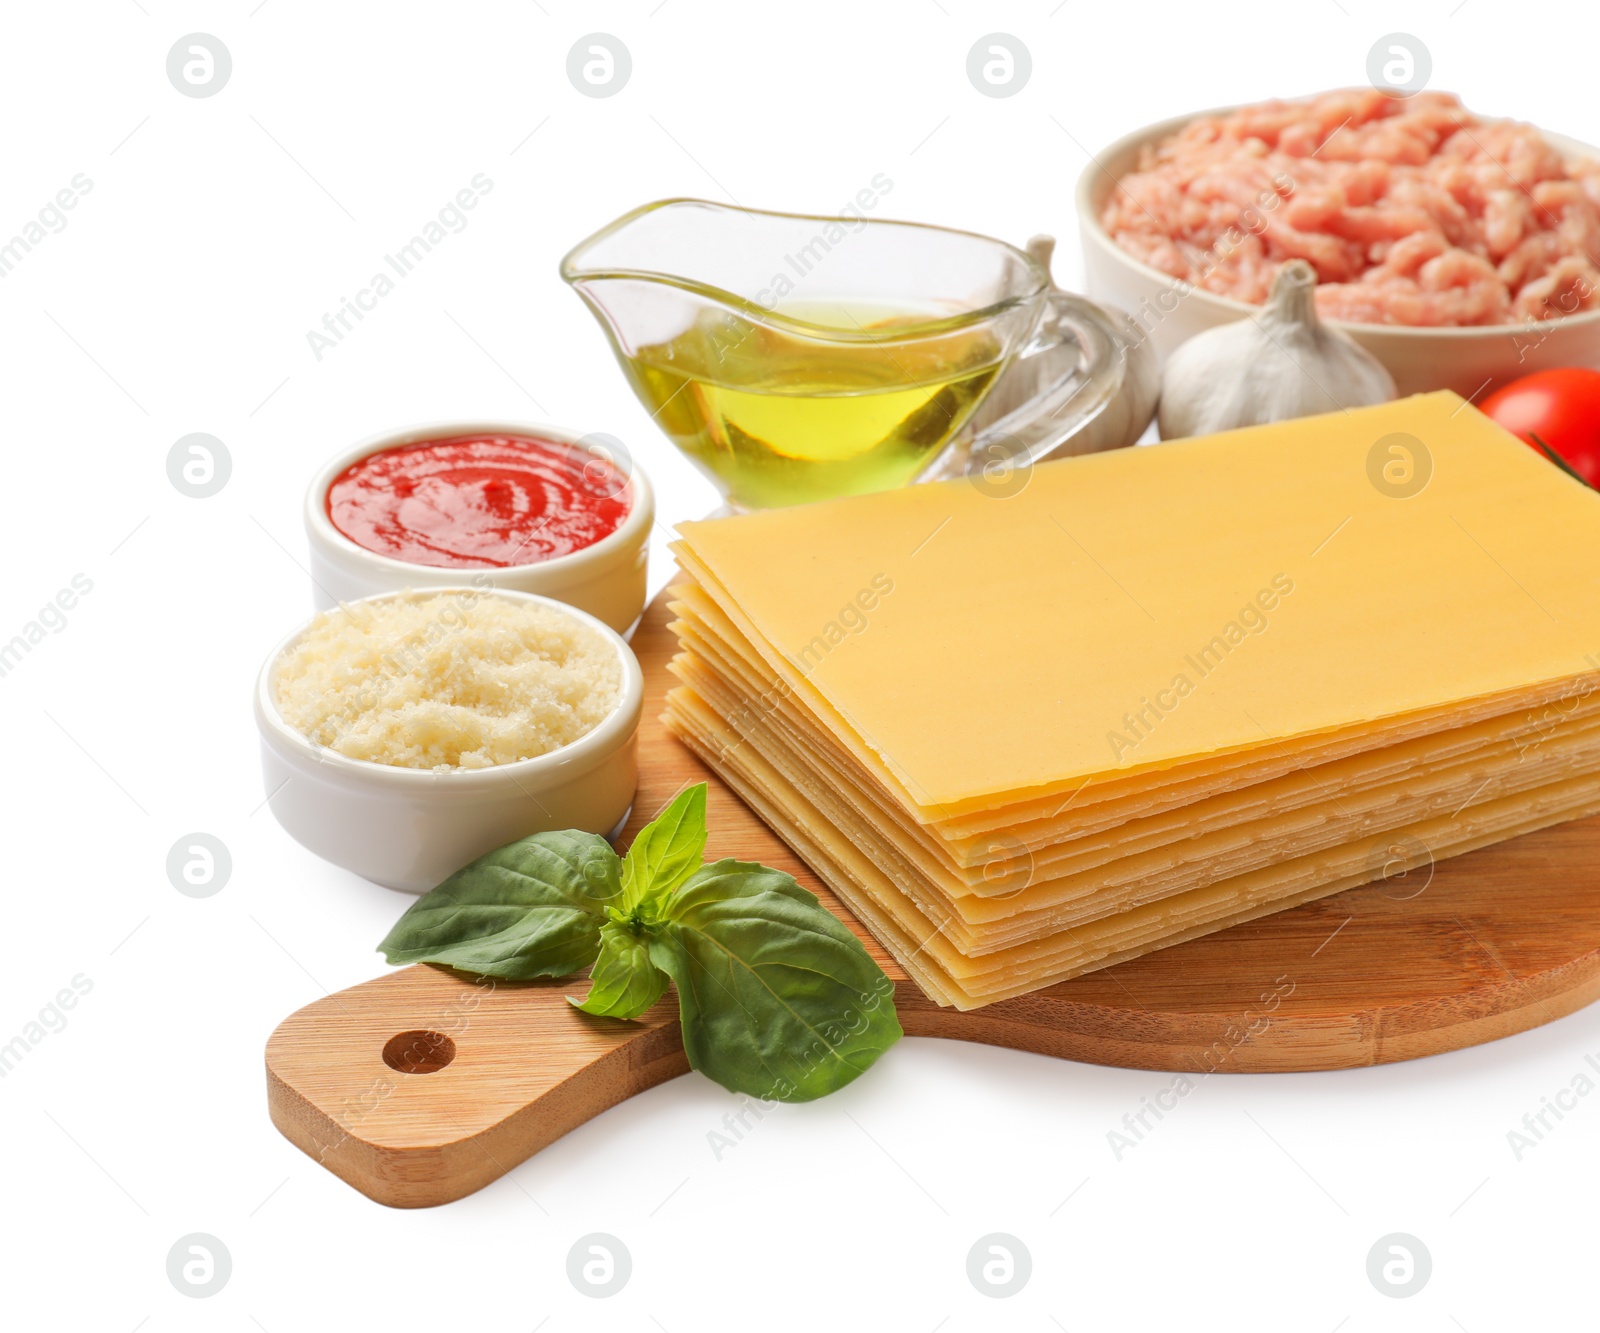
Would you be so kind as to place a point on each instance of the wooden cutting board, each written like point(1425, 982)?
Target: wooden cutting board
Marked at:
point(424, 1085)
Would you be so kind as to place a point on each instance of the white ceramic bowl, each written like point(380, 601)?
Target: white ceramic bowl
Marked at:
point(410, 828)
point(606, 579)
point(1420, 359)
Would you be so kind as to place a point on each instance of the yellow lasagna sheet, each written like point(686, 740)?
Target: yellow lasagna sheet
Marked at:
point(1136, 611)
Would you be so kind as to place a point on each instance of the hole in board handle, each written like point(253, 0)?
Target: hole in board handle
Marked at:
point(418, 1052)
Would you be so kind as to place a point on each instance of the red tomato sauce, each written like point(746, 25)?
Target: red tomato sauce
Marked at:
point(479, 501)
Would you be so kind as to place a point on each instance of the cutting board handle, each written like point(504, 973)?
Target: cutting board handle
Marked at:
point(424, 1085)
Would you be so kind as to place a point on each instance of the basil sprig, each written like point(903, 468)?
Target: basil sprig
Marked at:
point(777, 998)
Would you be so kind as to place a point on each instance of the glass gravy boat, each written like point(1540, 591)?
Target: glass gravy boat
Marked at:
point(797, 358)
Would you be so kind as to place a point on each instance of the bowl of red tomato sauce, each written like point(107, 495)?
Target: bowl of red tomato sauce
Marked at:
point(512, 505)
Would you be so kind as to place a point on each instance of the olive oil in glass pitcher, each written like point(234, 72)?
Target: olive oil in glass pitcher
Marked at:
point(801, 358)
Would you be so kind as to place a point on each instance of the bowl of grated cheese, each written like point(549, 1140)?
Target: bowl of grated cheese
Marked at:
point(404, 735)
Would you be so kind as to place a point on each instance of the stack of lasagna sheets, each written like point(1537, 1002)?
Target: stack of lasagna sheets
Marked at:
point(1028, 733)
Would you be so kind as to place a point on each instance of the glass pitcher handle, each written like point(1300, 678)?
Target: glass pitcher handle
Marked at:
point(1068, 402)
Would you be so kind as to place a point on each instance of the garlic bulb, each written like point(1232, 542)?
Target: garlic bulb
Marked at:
point(1283, 362)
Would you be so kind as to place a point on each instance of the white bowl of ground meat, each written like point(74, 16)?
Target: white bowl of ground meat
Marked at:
point(1461, 250)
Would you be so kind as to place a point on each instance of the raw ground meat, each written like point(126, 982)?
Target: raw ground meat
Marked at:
point(1412, 211)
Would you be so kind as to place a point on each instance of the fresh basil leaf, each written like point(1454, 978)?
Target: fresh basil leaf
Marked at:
point(624, 982)
point(667, 850)
point(531, 909)
point(777, 998)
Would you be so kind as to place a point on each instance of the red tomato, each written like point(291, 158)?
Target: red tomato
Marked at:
point(1561, 407)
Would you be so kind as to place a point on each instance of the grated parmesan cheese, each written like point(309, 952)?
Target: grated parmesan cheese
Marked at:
point(459, 680)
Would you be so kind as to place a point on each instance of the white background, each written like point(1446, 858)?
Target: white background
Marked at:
point(217, 233)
